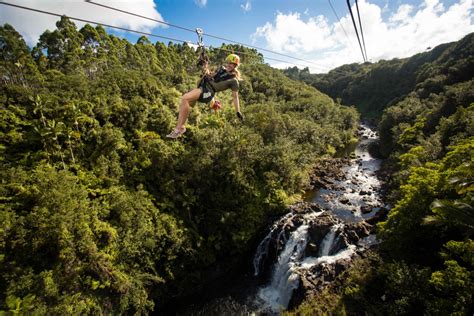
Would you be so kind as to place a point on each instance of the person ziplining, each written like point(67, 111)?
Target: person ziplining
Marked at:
point(224, 78)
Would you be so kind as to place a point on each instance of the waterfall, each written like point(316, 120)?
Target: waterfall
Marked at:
point(350, 199)
point(329, 240)
point(277, 294)
point(262, 249)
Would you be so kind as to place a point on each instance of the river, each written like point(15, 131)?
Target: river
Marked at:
point(295, 247)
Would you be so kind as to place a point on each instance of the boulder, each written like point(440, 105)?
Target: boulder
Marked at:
point(379, 216)
point(311, 250)
point(365, 209)
point(344, 201)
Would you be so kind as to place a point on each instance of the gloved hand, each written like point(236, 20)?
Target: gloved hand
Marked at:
point(240, 116)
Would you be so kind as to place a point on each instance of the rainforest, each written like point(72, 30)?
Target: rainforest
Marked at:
point(100, 213)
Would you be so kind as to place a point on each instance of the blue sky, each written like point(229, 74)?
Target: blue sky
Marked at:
point(304, 29)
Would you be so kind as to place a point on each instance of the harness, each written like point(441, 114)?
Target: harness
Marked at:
point(222, 74)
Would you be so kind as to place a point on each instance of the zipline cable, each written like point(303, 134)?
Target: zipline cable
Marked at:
point(139, 15)
point(135, 31)
point(87, 21)
point(338, 19)
point(355, 28)
point(205, 34)
point(361, 31)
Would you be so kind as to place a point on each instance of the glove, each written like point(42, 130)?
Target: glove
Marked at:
point(240, 116)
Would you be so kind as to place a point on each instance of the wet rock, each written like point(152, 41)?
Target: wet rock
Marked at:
point(362, 229)
point(374, 150)
point(342, 243)
point(366, 209)
point(299, 294)
point(353, 237)
point(298, 221)
point(317, 231)
point(316, 279)
point(326, 171)
point(344, 201)
point(304, 208)
point(311, 250)
point(341, 266)
point(379, 216)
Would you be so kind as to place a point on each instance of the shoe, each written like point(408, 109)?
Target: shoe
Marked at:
point(176, 132)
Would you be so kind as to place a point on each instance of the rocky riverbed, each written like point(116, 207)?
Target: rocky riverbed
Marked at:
point(311, 246)
point(317, 240)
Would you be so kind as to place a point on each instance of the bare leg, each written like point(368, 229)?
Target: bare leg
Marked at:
point(188, 99)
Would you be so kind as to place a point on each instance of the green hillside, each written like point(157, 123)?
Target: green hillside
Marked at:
point(424, 264)
point(372, 87)
point(100, 213)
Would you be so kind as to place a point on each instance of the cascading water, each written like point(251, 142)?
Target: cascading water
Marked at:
point(277, 294)
point(262, 249)
point(302, 246)
point(328, 240)
point(348, 201)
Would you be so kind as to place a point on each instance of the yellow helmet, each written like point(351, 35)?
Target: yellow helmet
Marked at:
point(233, 58)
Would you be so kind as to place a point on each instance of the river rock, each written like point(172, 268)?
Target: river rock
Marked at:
point(366, 209)
point(360, 229)
point(316, 279)
point(320, 227)
point(341, 243)
point(304, 208)
point(326, 171)
point(311, 250)
point(344, 201)
point(379, 216)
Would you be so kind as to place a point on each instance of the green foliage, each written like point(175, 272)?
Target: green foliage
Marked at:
point(425, 262)
point(431, 223)
point(375, 87)
point(454, 287)
point(101, 214)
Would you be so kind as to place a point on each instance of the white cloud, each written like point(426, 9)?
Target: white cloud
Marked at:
point(201, 3)
point(246, 7)
point(402, 14)
point(405, 32)
point(32, 24)
point(291, 34)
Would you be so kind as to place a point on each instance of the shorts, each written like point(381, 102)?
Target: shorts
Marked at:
point(207, 91)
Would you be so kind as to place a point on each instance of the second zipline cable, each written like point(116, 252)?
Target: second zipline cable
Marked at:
point(205, 34)
point(133, 31)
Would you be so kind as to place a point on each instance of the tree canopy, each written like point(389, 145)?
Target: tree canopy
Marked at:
point(425, 262)
point(100, 213)
point(372, 87)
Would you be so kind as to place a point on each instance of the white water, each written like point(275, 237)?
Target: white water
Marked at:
point(358, 190)
point(262, 248)
point(328, 240)
point(360, 176)
point(342, 254)
point(277, 294)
